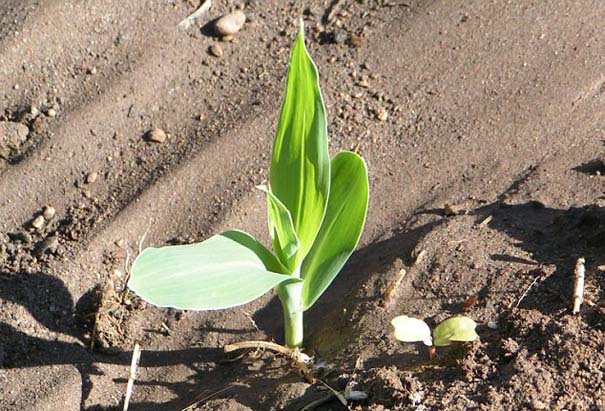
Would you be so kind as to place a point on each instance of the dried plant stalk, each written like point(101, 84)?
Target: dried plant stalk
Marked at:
point(578, 285)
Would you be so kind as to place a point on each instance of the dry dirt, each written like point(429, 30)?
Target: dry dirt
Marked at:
point(464, 110)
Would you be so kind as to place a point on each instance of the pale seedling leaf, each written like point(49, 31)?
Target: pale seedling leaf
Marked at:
point(409, 329)
point(224, 271)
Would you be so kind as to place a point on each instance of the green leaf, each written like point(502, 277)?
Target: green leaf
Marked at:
point(285, 240)
point(341, 228)
point(300, 164)
point(224, 271)
point(271, 262)
point(454, 329)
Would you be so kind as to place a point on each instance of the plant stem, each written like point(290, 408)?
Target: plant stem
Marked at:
point(290, 295)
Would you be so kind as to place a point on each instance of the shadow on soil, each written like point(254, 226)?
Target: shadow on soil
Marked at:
point(552, 237)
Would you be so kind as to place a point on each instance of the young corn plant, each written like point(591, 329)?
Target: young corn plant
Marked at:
point(316, 208)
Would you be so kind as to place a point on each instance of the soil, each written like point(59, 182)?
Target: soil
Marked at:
point(482, 126)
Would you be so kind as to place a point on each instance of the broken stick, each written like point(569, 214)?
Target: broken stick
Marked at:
point(578, 285)
point(136, 355)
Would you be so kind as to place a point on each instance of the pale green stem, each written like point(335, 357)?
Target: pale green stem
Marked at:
point(290, 295)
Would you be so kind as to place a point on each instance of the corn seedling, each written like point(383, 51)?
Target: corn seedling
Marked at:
point(457, 328)
point(316, 209)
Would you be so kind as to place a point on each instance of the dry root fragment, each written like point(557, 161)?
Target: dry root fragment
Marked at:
point(578, 285)
point(188, 21)
point(295, 354)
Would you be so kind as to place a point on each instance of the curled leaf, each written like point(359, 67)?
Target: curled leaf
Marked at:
point(410, 329)
point(457, 328)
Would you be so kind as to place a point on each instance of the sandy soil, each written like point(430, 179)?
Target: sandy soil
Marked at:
point(493, 109)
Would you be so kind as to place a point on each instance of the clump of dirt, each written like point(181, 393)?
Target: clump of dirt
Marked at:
point(390, 388)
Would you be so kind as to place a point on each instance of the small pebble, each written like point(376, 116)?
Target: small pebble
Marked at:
point(492, 325)
point(48, 213)
point(363, 82)
point(38, 222)
point(216, 50)
point(87, 193)
point(120, 243)
point(382, 115)
point(451, 210)
point(5, 153)
point(156, 135)
point(538, 405)
point(228, 38)
point(92, 177)
point(356, 41)
point(51, 112)
point(92, 71)
point(230, 24)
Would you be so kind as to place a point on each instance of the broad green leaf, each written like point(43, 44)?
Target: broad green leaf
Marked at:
point(285, 240)
point(224, 271)
point(455, 329)
point(409, 329)
point(341, 228)
point(300, 164)
point(271, 262)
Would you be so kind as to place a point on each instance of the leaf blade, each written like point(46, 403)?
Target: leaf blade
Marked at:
point(285, 240)
point(341, 228)
point(458, 328)
point(205, 276)
point(300, 165)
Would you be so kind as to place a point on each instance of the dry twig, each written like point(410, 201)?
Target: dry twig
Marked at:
point(189, 20)
point(578, 285)
point(486, 221)
point(388, 295)
point(525, 293)
point(136, 355)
